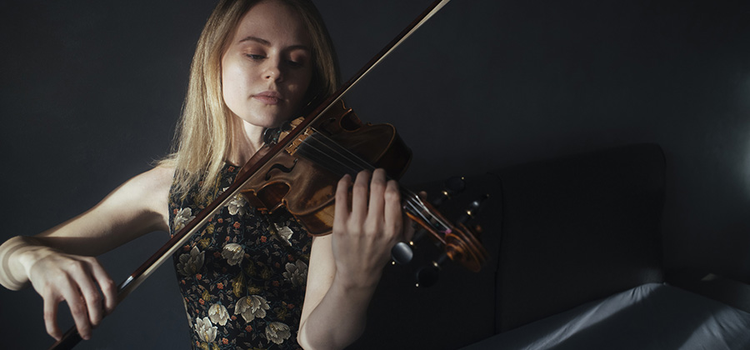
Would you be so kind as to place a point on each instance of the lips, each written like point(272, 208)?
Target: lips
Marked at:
point(268, 97)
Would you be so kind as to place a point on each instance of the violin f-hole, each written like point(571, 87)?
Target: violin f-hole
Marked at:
point(281, 168)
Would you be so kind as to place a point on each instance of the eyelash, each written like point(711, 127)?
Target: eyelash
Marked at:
point(295, 63)
point(262, 57)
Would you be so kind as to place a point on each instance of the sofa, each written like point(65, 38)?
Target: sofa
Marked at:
point(575, 262)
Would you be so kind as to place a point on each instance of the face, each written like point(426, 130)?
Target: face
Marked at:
point(268, 66)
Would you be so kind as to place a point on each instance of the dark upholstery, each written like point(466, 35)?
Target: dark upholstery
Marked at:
point(652, 316)
point(577, 229)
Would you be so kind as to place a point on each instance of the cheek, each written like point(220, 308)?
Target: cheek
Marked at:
point(301, 85)
point(232, 84)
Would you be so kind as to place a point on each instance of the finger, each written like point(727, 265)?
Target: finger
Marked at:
point(78, 310)
point(360, 192)
point(393, 215)
point(377, 192)
point(50, 317)
point(107, 286)
point(91, 296)
point(341, 211)
point(409, 229)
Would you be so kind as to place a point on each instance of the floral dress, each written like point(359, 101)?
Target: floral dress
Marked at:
point(243, 276)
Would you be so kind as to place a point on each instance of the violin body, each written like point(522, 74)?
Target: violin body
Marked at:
point(304, 176)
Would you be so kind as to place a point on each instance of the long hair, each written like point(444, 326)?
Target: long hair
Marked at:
point(204, 133)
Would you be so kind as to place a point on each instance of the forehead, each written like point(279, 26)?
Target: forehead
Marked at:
point(275, 22)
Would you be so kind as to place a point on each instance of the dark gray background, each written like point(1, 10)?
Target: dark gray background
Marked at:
point(90, 92)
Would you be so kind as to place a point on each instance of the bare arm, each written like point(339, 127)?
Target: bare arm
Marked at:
point(59, 262)
point(345, 267)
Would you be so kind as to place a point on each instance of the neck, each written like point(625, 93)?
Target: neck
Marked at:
point(246, 141)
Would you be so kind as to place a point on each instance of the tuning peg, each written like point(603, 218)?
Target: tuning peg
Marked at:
point(402, 253)
point(473, 209)
point(428, 275)
point(452, 187)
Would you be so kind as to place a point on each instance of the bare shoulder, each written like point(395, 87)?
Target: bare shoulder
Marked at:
point(158, 179)
point(151, 185)
point(145, 198)
point(151, 189)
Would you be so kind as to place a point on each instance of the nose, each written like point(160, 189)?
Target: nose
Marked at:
point(273, 70)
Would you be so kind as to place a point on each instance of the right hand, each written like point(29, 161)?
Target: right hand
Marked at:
point(79, 280)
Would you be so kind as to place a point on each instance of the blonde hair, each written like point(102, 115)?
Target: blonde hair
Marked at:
point(204, 134)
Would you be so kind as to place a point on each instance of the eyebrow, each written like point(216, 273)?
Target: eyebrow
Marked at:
point(268, 43)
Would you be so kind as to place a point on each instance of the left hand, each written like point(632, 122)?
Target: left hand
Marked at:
point(364, 234)
point(345, 266)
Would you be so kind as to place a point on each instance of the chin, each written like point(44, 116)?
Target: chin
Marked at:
point(264, 121)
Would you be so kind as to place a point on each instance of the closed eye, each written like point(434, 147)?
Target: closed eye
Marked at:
point(255, 57)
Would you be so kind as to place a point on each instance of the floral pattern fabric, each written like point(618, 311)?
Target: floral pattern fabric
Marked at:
point(243, 275)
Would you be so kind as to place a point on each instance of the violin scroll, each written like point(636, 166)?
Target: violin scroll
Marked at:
point(459, 242)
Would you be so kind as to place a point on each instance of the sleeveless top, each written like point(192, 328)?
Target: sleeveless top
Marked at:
point(242, 277)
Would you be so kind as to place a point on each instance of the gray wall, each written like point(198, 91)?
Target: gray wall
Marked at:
point(90, 92)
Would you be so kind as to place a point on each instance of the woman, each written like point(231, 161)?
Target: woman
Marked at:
point(244, 276)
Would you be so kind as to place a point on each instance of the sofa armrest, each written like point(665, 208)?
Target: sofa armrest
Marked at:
point(726, 290)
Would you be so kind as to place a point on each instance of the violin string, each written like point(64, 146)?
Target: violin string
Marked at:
point(412, 200)
point(345, 162)
point(330, 149)
point(332, 156)
point(339, 160)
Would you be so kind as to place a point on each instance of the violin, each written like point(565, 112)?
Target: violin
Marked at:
point(298, 169)
point(303, 176)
